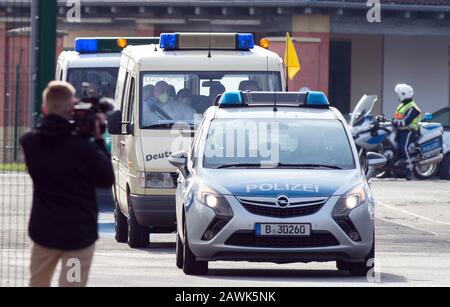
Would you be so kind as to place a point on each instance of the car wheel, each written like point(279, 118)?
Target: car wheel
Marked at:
point(179, 252)
point(444, 171)
point(342, 265)
point(361, 268)
point(120, 224)
point(138, 235)
point(190, 265)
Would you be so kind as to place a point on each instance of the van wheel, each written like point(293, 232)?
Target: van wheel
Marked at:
point(121, 224)
point(138, 236)
point(444, 171)
point(190, 265)
point(179, 252)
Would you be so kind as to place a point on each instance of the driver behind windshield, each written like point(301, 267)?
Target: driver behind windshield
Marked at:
point(164, 108)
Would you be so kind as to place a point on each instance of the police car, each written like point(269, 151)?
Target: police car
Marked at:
point(274, 177)
point(162, 92)
point(442, 116)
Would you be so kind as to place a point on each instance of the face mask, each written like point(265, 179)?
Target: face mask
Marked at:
point(163, 98)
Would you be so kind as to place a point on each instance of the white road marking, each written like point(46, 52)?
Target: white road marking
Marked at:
point(413, 214)
point(409, 226)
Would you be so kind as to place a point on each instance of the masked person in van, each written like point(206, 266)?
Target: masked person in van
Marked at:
point(163, 108)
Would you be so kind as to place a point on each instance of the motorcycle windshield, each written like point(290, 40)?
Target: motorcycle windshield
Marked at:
point(363, 108)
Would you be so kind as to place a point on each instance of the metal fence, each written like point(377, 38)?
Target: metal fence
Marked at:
point(15, 185)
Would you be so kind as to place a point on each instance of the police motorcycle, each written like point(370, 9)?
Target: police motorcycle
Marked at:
point(377, 134)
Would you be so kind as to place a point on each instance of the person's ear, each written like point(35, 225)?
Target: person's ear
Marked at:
point(44, 109)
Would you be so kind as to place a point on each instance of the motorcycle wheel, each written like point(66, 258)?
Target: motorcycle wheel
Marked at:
point(426, 171)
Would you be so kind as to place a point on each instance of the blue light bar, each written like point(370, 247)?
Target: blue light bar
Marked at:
point(317, 99)
point(86, 45)
point(280, 99)
point(168, 41)
point(231, 99)
point(205, 41)
point(244, 41)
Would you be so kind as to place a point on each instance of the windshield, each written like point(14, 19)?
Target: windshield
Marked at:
point(363, 108)
point(100, 82)
point(169, 98)
point(289, 143)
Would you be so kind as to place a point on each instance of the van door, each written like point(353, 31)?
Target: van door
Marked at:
point(126, 141)
point(116, 139)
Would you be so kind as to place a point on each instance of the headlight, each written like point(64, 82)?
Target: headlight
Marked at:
point(155, 180)
point(351, 200)
point(217, 202)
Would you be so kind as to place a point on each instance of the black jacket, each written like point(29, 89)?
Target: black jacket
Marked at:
point(66, 170)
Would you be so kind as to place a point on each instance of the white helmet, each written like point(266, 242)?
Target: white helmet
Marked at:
point(404, 91)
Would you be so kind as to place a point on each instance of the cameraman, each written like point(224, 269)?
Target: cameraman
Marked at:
point(65, 169)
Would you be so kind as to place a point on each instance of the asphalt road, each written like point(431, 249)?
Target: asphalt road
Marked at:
point(413, 246)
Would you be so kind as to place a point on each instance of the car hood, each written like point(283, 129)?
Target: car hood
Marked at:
point(276, 182)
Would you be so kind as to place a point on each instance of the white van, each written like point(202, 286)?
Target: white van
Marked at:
point(158, 87)
point(95, 61)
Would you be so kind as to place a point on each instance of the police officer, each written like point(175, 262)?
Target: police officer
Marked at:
point(407, 119)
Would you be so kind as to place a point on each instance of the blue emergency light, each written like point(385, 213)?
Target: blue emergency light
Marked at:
point(276, 99)
point(86, 45)
point(231, 99)
point(204, 41)
point(317, 98)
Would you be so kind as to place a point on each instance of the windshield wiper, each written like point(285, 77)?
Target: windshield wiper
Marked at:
point(169, 125)
point(159, 126)
point(309, 165)
point(252, 165)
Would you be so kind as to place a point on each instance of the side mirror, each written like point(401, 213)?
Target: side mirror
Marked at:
point(115, 122)
point(374, 162)
point(179, 160)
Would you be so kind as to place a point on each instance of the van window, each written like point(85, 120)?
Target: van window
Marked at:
point(131, 95)
point(169, 98)
point(99, 81)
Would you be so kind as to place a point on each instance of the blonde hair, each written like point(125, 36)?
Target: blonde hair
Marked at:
point(57, 98)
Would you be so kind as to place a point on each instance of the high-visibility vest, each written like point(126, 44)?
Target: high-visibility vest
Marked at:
point(401, 111)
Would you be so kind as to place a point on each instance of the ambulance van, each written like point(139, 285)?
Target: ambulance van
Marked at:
point(162, 92)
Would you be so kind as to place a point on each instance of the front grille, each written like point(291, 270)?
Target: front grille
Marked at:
point(249, 239)
point(268, 207)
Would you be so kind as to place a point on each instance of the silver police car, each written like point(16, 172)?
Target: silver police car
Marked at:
point(274, 177)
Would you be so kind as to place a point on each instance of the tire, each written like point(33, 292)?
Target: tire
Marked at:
point(138, 236)
point(342, 265)
point(428, 172)
point(120, 224)
point(361, 269)
point(190, 265)
point(444, 171)
point(179, 253)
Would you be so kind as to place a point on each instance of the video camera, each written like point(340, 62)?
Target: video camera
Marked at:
point(86, 111)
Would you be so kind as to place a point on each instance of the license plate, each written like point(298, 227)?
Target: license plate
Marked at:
point(283, 230)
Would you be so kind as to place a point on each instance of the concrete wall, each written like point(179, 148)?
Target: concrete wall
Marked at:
point(422, 62)
point(367, 68)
